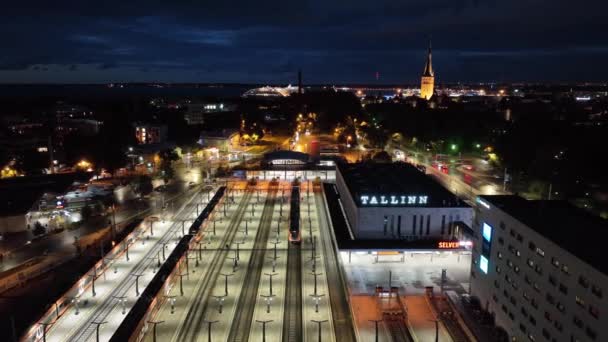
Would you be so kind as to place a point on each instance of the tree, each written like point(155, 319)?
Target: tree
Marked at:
point(142, 185)
point(38, 229)
point(166, 167)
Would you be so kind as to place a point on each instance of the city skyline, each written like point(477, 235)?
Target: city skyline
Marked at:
point(268, 42)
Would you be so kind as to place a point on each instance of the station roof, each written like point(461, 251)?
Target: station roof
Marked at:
point(287, 155)
point(398, 179)
point(560, 222)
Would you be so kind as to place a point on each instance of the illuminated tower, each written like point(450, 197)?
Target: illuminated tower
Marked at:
point(427, 83)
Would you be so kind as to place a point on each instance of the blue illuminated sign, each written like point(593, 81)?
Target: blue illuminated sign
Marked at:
point(483, 264)
point(487, 232)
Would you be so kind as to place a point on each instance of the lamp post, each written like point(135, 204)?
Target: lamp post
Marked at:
point(181, 283)
point(220, 302)
point(270, 275)
point(317, 298)
point(172, 302)
point(136, 282)
point(264, 328)
point(209, 323)
point(155, 323)
point(376, 321)
point(122, 300)
point(93, 276)
point(436, 328)
point(226, 282)
point(268, 299)
point(44, 325)
point(97, 325)
point(319, 324)
point(315, 275)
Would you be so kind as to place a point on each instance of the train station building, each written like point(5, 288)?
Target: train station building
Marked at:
point(398, 201)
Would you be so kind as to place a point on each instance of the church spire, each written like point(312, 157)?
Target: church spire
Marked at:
point(428, 66)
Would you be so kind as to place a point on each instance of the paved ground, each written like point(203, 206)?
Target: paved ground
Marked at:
point(76, 323)
point(411, 272)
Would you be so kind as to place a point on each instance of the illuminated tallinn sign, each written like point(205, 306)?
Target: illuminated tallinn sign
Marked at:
point(393, 200)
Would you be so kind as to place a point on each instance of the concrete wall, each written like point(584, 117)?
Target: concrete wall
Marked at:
point(400, 222)
point(491, 287)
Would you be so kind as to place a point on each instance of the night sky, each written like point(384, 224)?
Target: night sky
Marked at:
point(333, 41)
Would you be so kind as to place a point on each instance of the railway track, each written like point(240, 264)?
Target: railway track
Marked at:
point(344, 330)
point(292, 315)
point(241, 324)
point(108, 302)
point(192, 324)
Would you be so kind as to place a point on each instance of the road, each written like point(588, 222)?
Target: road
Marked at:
point(126, 283)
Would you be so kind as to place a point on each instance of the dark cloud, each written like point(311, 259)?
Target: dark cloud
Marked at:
point(332, 41)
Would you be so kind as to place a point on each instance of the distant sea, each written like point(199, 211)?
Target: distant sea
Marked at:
point(119, 90)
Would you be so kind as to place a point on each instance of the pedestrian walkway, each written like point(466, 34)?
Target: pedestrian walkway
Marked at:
point(422, 320)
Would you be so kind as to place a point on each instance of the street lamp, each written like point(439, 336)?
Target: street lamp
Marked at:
point(264, 328)
point(209, 323)
point(317, 298)
point(226, 282)
point(268, 299)
point(319, 324)
point(220, 302)
point(270, 275)
point(155, 323)
point(97, 325)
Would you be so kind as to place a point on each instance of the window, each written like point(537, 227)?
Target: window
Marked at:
point(540, 252)
point(499, 254)
point(593, 311)
point(494, 298)
point(534, 303)
point(527, 280)
point(496, 284)
point(512, 233)
point(558, 325)
point(548, 316)
point(577, 321)
point(563, 288)
point(513, 301)
point(498, 269)
point(550, 298)
point(536, 287)
point(522, 327)
point(502, 225)
point(501, 241)
point(552, 280)
point(505, 293)
point(565, 269)
point(483, 264)
point(560, 307)
point(504, 308)
point(526, 296)
point(591, 333)
point(583, 282)
point(596, 291)
point(509, 263)
point(531, 337)
point(516, 269)
point(524, 312)
point(530, 263)
point(554, 262)
point(520, 238)
point(538, 269)
point(580, 301)
point(546, 334)
point(531, 246)
point(532, 320)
